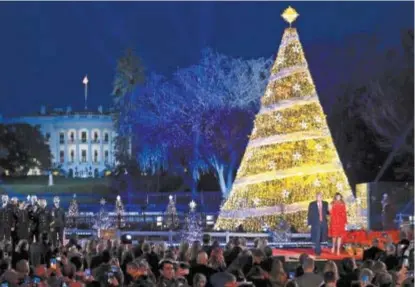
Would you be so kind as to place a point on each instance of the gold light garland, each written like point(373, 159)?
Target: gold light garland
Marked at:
point(289, 121)
point(302, 187)
point(264, 157)
point(289, 58)
point(285, 88)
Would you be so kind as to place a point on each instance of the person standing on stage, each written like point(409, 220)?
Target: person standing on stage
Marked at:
point(44, 219)
point(6, 219)
point(22, 222)
point(15, 206)
point(58, 222)
point(33, 209)
point(317, 221)
point(338, 222)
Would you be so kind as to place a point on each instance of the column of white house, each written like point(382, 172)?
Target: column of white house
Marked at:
point(101, 148)
point(110, 148)
point(77, 141)
point(89, 139)
point(66, 153)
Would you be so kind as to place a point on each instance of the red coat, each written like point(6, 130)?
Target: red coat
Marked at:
point(338, 220)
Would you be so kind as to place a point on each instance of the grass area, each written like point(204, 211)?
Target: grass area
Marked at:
point(63, 186)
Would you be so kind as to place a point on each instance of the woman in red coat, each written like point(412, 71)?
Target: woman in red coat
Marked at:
point(338, 222)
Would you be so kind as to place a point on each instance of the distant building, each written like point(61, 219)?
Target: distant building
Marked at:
point(81, 143)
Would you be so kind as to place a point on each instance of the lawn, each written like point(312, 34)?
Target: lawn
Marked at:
point(88, 191)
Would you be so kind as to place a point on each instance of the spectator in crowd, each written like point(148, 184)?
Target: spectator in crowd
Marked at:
point(277, 277)
point(199, 280)
point(138, 272)
point(391, 260)
point(223, 279)
point(167, 276)
point(201, 267)
point(194, 251)
point(374, 252)
point(184, 251)
point(330, 266)
point(206, 244)
point(299, 270)
point(350, 272)
point(216, 260)
point(309, 278)
point(366, 277)
point(330, 279)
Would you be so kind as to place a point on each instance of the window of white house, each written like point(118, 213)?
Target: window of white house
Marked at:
point(83, 155)
point(83, 137)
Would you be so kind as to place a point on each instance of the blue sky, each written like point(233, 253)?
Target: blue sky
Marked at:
point(48, 47)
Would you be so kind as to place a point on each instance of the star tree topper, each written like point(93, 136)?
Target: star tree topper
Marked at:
point(192, 205)
point(290, 15)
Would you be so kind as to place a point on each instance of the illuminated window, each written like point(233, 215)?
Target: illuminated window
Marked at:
point(95, 156)
point(83, 155)
point(83, 137)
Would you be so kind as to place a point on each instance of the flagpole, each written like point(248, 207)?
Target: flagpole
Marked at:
point(85, 82)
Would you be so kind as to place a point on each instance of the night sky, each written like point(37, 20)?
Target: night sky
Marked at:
point(47, 48)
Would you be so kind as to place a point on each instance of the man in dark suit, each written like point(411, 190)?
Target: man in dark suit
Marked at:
point(58, 222)
point(317, 221)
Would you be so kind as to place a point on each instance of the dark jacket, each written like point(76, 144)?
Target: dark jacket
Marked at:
point(202, 269)
point(22, 224)
point(101, 274)
point(58, 217)
point(313, 219)
point(43, 220)
point(373, 253)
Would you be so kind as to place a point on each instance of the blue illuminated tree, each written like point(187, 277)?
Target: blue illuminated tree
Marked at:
point(180, 121)
point(192, 229)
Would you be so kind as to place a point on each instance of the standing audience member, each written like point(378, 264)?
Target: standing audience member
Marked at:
point(350, 273)
point(330, 266)
point(329, 279)
point(309, 278)
point(206, 244)
point(374, 252)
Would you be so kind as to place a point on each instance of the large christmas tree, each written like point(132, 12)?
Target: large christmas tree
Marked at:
point(290, 156)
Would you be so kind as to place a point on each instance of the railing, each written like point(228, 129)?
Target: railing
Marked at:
point(174, 237)
point(148, 221)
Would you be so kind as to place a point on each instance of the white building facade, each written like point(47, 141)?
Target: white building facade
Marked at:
point(82, 143)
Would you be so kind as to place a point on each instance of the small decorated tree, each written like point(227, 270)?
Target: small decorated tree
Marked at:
point(171, 219)
point(102, 220)
point(119, 212)
point(192, 231)
point(73, 212)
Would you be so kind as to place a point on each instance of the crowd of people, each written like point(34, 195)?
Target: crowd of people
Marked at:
point(99, 262)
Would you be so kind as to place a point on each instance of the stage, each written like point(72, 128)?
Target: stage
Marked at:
point(292, 254)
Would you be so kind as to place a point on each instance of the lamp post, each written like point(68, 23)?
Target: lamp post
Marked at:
point(85, 82)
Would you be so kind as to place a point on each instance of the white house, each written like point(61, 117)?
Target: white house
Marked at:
point(81, 143)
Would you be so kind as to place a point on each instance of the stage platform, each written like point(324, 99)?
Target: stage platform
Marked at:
point(292, 254)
